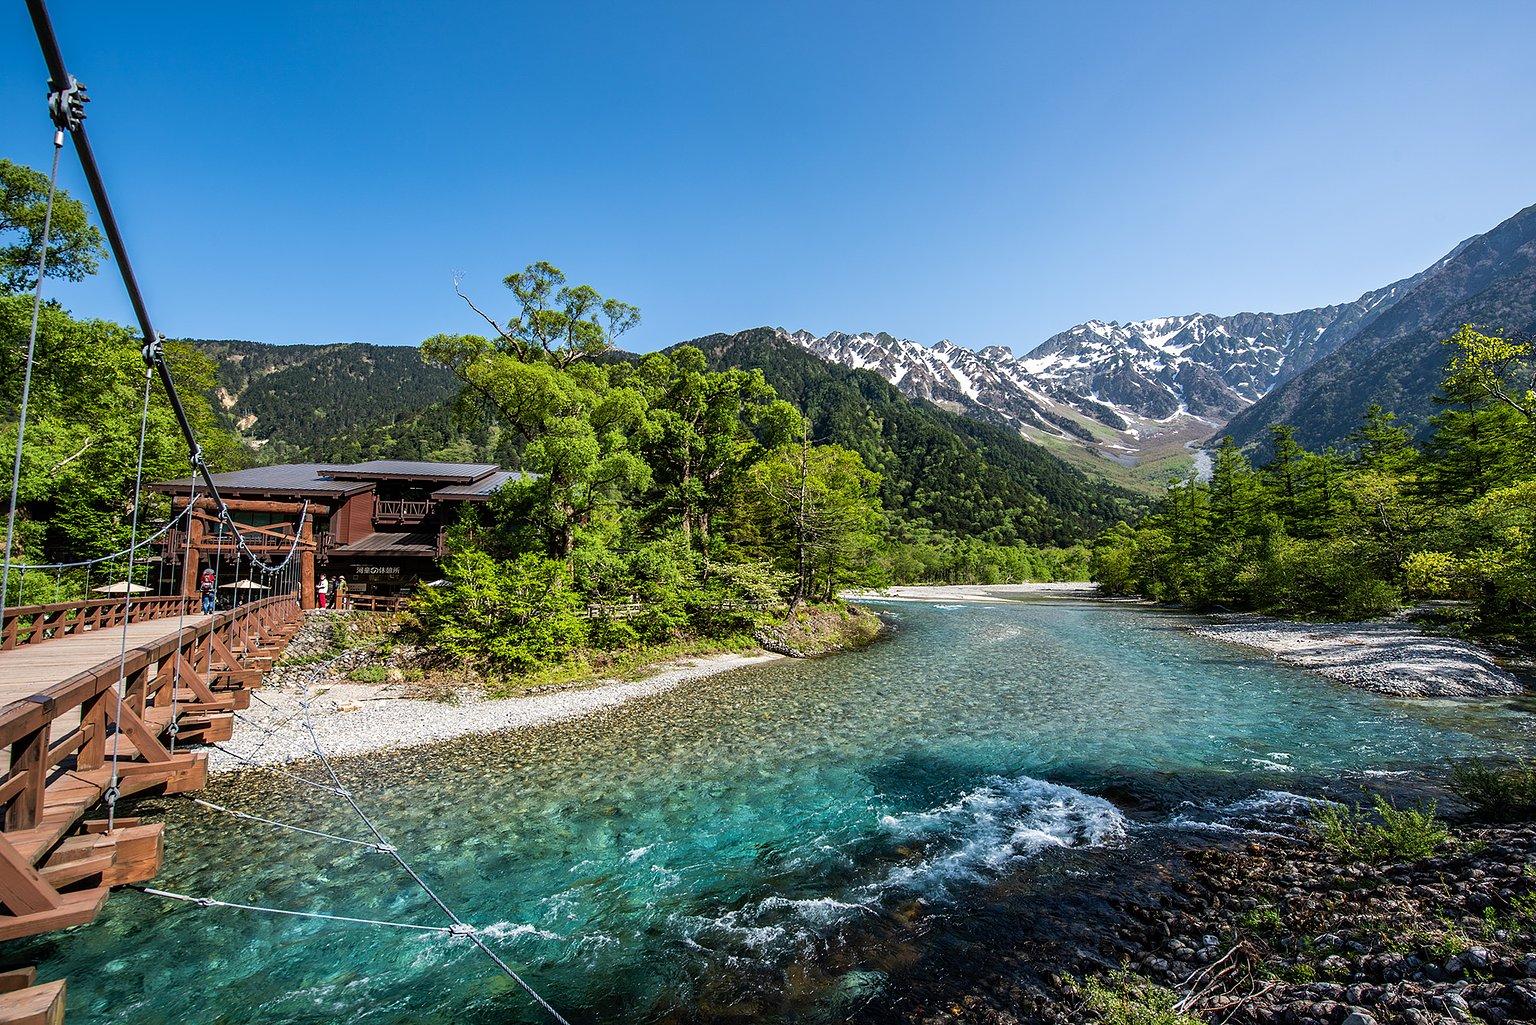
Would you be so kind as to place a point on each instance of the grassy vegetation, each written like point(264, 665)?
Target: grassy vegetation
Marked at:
point(1122, 998)
point(1388, 834)
point(358, 629)
point(821, 629)
point(1501, 793)
point(625, 664)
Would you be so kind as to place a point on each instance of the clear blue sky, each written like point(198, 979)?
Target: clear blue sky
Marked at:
point(316, 172)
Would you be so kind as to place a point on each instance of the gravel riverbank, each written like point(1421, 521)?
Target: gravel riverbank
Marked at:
point(1388, 658)
point(356, 718)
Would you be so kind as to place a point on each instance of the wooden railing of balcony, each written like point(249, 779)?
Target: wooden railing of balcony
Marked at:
point(403, 510)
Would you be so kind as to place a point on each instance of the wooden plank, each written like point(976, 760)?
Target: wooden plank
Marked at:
point(74, 909)
point(35, 1005)
point(18, 978)
point(22, 890)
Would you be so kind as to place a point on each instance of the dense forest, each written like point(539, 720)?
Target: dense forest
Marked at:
point(964, 501)
point(1357, 531)
point(940, 471)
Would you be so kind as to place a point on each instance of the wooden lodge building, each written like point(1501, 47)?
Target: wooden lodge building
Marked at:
point(380, 524)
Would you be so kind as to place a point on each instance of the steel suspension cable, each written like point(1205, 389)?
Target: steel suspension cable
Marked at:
point(112, 790)
point(98, 560)
point(26, 378)
point(463, 928)
point(174, 728)
point(209, 902)
point(247, 816)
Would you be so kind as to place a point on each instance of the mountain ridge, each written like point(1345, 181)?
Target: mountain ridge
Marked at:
point(1135, 400)
point(1488, 281)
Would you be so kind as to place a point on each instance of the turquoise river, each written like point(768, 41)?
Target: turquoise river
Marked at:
point(770, 844)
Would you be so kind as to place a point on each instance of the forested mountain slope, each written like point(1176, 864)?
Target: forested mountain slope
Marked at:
point(328, 402)
point(939, 470)
point(1399, 360)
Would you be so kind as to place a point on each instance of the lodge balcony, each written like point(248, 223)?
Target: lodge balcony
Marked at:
point(402, 511)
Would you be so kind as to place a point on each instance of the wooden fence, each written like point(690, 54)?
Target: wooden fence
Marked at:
point(374, 603)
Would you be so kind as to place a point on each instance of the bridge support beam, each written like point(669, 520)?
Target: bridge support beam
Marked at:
point(307, 565)
point(189, 572)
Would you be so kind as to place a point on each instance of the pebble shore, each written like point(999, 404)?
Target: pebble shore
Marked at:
point(1388, 658)
point(357, 718)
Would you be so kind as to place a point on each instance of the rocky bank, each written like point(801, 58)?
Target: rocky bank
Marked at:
point(1275, 930)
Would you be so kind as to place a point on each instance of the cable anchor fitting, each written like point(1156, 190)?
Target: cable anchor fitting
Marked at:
point(66, 106)
point(152, 350)
point(461, 929)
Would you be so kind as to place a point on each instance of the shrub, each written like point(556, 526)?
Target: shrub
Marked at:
point(368, 674)
point(511, 617)
point(1392, 834)
point(1126, 999)
point(1504, 793)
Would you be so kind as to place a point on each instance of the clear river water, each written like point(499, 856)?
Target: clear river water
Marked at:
point(772, 844)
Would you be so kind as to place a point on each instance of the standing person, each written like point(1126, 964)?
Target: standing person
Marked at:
point(341, 593)
point(323, 589)
point(206, 587)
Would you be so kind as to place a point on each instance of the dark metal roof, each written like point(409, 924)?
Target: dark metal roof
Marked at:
point(480, 490)
point(408, 469)
point(294, 480)
point(386, 543)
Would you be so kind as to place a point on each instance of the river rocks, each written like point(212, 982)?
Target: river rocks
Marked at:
point(1302, 938)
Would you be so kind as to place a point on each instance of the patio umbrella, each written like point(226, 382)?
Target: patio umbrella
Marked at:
point(244, 585)
point(121, 587)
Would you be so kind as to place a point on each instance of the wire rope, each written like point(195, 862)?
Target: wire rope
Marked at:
point(26, 380)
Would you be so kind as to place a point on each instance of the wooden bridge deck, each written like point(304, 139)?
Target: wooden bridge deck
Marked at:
point(73, 719)
point(32, 669)
point(27, 670)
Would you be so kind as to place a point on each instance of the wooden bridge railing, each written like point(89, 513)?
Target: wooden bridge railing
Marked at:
point(33, 624)
point(61, 741)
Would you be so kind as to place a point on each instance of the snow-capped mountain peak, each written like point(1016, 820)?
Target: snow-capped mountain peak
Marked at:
point(1111, 386)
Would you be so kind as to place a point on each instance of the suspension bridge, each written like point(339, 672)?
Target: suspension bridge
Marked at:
point(105, 699)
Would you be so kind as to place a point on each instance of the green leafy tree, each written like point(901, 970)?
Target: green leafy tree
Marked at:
point(75, 248)
point(820, 505)
point(708, 429)
point(507, 617)
point(76, 493)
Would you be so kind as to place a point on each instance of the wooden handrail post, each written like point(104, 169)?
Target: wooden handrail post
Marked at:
point(29, 757)
point(93, 714)
point(136, 691)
